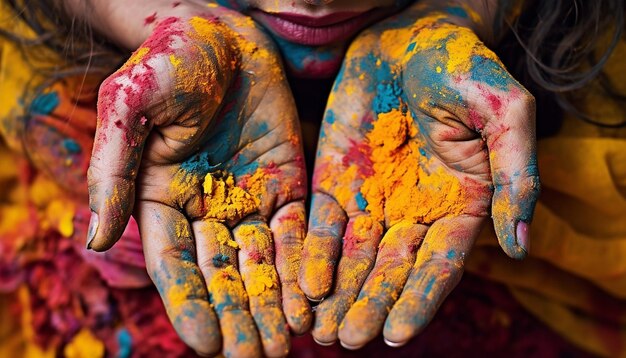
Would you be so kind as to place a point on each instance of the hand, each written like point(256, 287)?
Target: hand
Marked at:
point(425, 135)
point(198, 133)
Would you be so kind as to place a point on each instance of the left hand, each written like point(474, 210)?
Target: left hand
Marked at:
point(426, 134)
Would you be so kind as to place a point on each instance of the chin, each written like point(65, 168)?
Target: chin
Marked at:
point(314, 68)
point(311, 61)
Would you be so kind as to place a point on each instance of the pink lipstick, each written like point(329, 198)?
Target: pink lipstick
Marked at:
point(315, 31)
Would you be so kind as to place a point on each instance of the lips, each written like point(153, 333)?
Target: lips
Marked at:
point(315, 31)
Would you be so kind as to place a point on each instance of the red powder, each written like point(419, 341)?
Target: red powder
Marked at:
point(272, 168)
point(494, 102)
point(289, 217)
point(150, 19)
point(475, 120)
point(256, 257)
point(359, 153)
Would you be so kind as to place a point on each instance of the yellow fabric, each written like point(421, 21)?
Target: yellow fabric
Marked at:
point(575, 277)
point(16, 72)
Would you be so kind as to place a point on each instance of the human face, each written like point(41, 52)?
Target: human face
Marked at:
point(313, 34)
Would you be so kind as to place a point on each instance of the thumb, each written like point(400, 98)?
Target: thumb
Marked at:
point(120, 137)
point(512, 152)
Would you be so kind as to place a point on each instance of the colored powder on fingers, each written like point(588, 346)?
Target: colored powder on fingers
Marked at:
point(261, 277)
point(179, 293)
point(224, 200)
point(226, 288)
point(401, 187)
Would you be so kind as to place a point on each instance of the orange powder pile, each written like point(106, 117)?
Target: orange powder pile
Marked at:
point(405, 184)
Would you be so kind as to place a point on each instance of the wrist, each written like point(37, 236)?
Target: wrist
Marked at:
point(126, 23)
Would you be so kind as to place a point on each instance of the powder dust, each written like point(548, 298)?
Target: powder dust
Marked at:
point(405, 184)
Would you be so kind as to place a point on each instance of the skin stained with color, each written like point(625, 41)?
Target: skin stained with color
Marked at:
point(417, 129)
point(209, 178)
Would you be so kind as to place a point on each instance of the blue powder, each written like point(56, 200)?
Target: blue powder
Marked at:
point(330, 116)
point(360, 201)
point(45, 104)
point(490, 72)
point(125, 342)
point(429, 285)
point(199, 164)
point(71, 146)
point(220, 260)
point(295, 54)
point(387, 97)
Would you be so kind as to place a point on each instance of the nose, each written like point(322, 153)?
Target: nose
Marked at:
point(318, 2)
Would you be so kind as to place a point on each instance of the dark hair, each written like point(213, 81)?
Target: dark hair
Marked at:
point(72, 39)
point(553, 49)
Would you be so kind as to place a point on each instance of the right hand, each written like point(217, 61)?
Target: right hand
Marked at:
point(198, 137)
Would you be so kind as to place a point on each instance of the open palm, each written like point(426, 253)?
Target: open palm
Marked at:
point(425, 136)
point(198, 136)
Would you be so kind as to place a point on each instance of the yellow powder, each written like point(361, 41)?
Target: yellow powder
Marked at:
point(137, 56)
point(401, 187)
point(251, 236)
point(343, 193)
point(84, 345)
point(256, 184)
point(182, 230)
point(261, 277)
point(175, 61)
point(60, 215)
point(178, 294)
point(226, 286)
point(225, 201)
point(223, 235)
point(431, 33)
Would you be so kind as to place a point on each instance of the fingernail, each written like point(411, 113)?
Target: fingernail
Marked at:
point(523, 236)
point(314, 300)
point(325, 344)
point(394, 344)
point(93, 228)
point(350, 347)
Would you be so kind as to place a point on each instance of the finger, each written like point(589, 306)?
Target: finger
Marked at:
point(171, 263)
point(396, 256)
point(512, 154)
point(217, 258)
point(437, 270)
point(506, 114)
point(118, 145)
point(288, 228)
point(322, 246)
point(357, 259)
point(256, 264)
